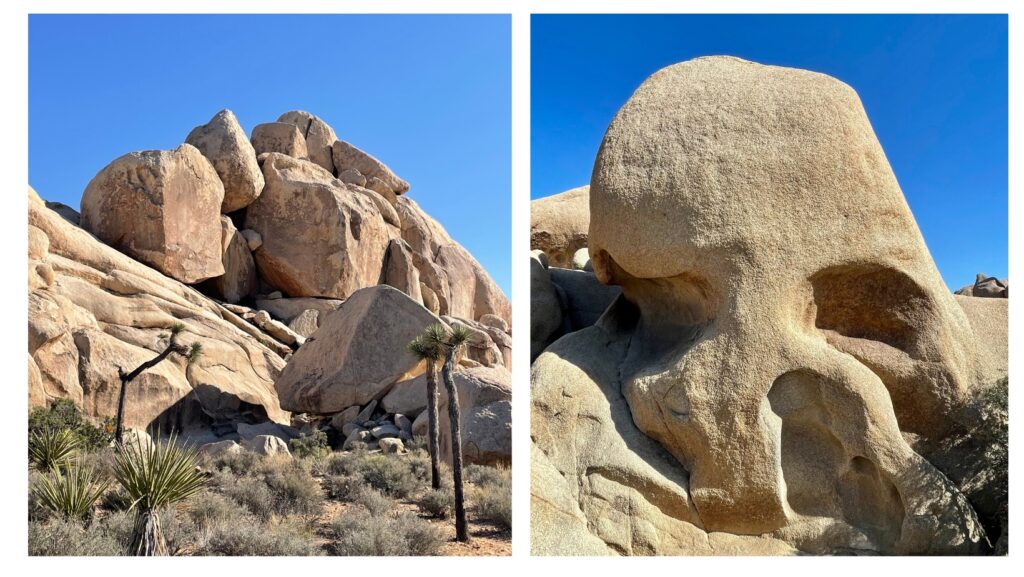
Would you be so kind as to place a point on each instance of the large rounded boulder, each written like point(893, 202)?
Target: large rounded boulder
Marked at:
point(161, 207)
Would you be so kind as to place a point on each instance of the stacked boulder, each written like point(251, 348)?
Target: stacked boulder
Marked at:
point(302, 246)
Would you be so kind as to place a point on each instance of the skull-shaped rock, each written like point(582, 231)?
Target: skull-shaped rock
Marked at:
point(782, 322)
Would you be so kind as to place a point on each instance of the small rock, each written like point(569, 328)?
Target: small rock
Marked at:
point(391, 446)
point(252, 238)
point(403, 423)
point(356, 436)
point(367, 412)
point(275, 295)
point(266, 445)
point(385, 431)
point(220, 448)
point(494, 321)
point(306, 323)
point(345, 417)
point(581, 260)
point(352, 176)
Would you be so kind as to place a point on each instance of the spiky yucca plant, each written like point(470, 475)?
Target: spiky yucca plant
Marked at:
point(72, 493)
point(427, 350)
point(51, 448)
point(451, 342)
point(155, 475)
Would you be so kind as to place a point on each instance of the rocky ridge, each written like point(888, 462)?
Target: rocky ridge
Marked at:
point(264, 248)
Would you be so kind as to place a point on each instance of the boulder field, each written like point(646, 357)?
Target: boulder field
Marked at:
point(300, 264)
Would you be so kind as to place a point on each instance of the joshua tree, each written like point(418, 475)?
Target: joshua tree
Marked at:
point(155, 475)
point(173, 347)
point(428, 351)
point(451, 343)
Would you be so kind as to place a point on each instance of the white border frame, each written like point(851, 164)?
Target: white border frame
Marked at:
point(13, 228)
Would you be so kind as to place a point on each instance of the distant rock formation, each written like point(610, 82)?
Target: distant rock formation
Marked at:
point(987, 287)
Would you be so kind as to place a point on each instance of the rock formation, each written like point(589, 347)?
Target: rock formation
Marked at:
point(93, 309)
point(559, 224)
point(987, 286)
point(780, 334)
point(290, 269)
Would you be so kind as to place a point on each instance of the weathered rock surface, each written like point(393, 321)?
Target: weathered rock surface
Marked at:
point(100, 309)
point(222, 141)
point(266, 445)
point(400, 272)
point(161, 208)
point(318, 134)
point(287, 309)
point(348, 157)
point(239, 278)
point(306, 323)
point(546, 320)
point(485, 396)
point(280, 137)
point(461, 286)
point(319, 239)
point(584, 298)
point(358, 353)
point(757, 377)
point(559, 225)
point(66, 212)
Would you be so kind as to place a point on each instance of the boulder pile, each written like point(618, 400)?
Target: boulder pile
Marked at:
point(296, 258)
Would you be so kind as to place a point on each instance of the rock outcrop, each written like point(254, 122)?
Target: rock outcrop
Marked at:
point(93, 309)
point(753, 388)
point(987, 287)
point(161, 208)
point(291, 268)
point(559, 224)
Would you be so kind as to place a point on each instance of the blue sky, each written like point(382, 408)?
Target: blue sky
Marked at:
point(428, 95)
point(935, 89)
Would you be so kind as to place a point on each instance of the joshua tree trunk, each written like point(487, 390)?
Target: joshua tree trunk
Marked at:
point(461, 527)
point(147, 536)
point(433, 427)
point(126, 378)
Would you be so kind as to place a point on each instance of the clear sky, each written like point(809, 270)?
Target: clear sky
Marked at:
point(428, 95)
point(935, 89)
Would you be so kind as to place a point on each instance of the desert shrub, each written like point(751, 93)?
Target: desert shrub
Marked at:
point(419, 464)
point(249, 492)
point(389, 474)
point(416, 444)
point(51, 448)
point(102, 462)
point(342, 487)
point(70, 493)
point(488, 476)
point(313, 445)
point(243, 463)
point(63, 414)
point(493, 504)
point(116, 499)
point(491, 494)
point(248, 538)
point(359, 532)
point(208, 509)
point(438, 503)
point(68, 537)
point(295, 491)
point(372, 500)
